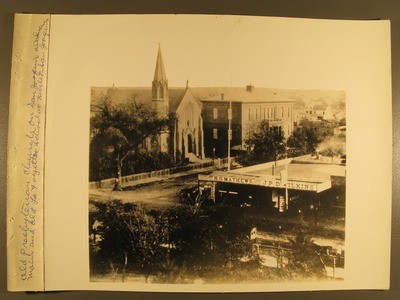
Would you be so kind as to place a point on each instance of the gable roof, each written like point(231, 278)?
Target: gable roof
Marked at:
point(240, 94)
point(143, 94)
point(203, 94)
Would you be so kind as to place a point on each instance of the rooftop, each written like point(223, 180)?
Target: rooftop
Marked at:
point(204, 94)
point(143, 94)
point(303, 169)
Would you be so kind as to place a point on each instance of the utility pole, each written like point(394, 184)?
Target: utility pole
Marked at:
point(286, 185)
point(287, 176)
point(229, 134)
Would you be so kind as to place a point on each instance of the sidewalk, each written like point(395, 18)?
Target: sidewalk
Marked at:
point(160, 178)
point(170, 176)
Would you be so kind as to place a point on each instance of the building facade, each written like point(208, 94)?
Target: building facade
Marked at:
point(319, 112)
point(201, 114)
point(185, 139)
point(300, 184)
point(250, 106)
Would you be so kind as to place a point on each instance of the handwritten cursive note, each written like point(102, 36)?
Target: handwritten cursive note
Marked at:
point(32, 164)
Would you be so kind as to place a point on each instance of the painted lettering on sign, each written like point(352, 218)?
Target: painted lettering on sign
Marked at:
point(233, 179)
point(301, 186)
point(269, 182)
point(295, 185)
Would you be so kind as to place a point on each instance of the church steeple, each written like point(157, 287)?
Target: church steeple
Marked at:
point(160, 81)
point(160, 100)
point(159, 74)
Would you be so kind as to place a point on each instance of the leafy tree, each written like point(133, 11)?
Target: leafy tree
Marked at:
point(266, 143)
point(309, 135)
point(206, 241)
point(176, 245)
point(193, 201)
point(333, 146)
point(146, 161)
point(131, 237)
point(305, 260)
point(118, 132)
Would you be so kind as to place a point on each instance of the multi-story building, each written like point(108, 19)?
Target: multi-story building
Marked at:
point(318, 112)
point(201, 127)
point(250, 105)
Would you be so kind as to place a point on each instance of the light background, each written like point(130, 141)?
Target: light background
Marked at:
point(215, 51)
point(212, 50)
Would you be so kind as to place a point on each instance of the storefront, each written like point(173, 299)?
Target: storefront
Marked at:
point(285, 187)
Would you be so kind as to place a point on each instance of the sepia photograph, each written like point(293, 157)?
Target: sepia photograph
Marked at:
point(209, 153)
point(214, 181)
point(200, 152)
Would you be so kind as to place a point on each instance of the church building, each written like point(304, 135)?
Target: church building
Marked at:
point(186, 140)
point(201, 123)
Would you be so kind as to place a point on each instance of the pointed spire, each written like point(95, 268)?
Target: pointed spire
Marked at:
point(159, 73)
point(159, 89)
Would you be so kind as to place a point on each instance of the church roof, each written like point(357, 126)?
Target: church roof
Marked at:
point(203, 94)
point(142, 94)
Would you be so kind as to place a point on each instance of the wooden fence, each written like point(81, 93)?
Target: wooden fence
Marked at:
point(107, 183)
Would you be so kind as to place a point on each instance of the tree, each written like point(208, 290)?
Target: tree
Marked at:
point(174, 245)
point(305, 259)
point(119, 131)
point(131, 237)
point(306, 137)
point(266, 143)
point(146, 161)
point(194, 201)
point(332, 146)
point(207, 240)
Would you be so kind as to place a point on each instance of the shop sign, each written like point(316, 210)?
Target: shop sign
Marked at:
point(268, 182)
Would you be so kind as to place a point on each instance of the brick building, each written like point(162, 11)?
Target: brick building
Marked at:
point(250, 105)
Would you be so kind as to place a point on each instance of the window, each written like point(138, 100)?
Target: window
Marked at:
point(215, 113)
point(256, 113)
point(253, 114)
point(264, 113)
point(188, 116)
point(215, 133)
point(277, 129)
point(248, 114)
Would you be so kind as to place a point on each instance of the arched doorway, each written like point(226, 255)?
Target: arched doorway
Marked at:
point(190, 143)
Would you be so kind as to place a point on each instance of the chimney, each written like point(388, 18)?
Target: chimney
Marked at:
point(250, 88)
point(222, 96)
